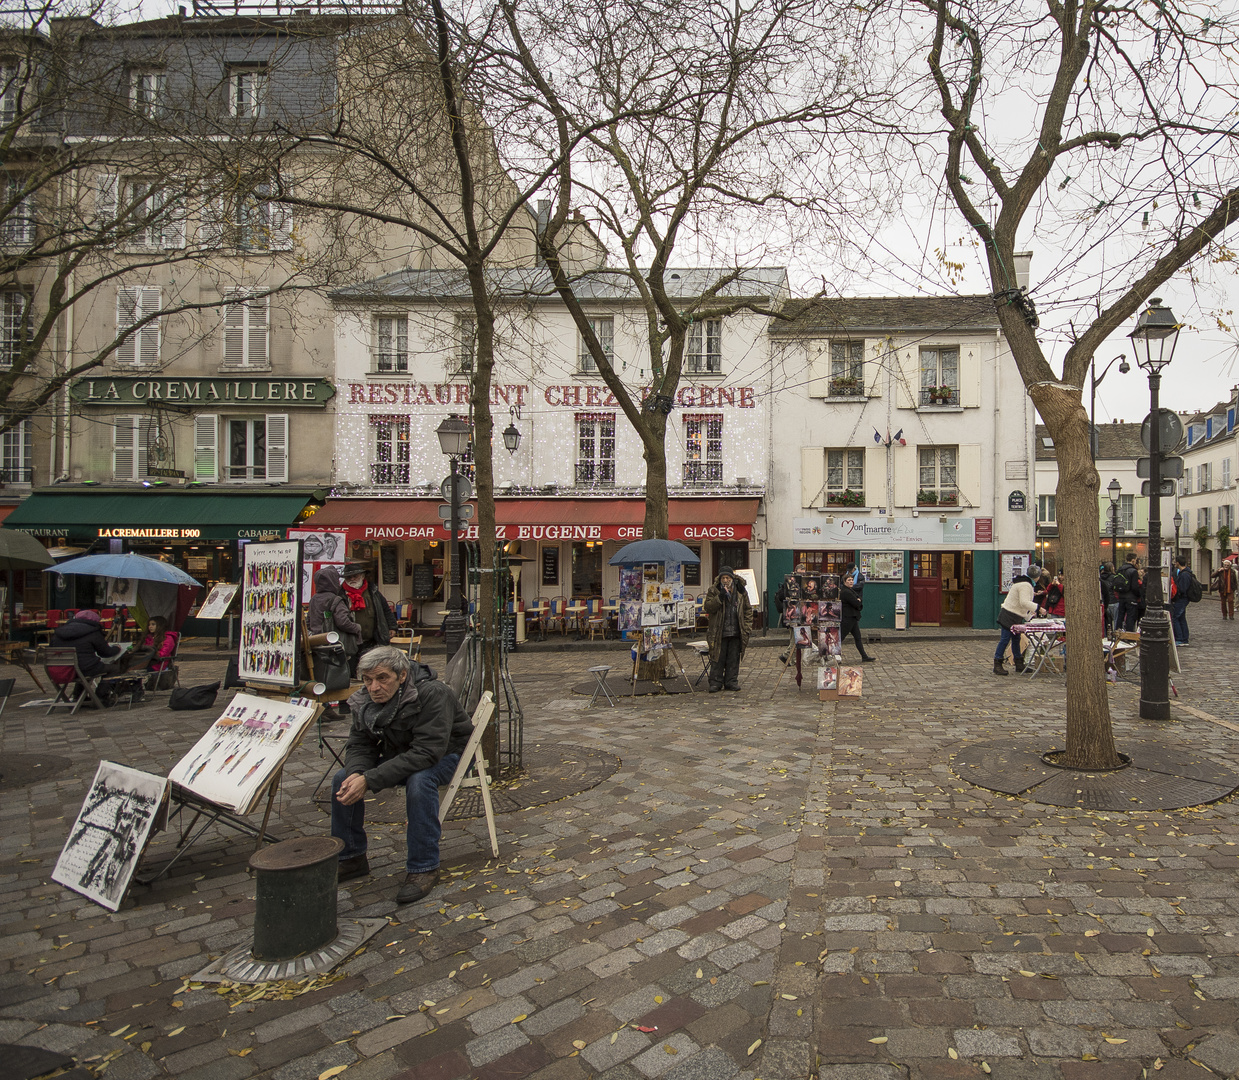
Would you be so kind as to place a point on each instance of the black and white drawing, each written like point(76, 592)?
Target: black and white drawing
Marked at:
point(110, 833)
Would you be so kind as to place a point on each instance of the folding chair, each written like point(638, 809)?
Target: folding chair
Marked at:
point(702, 649)
point(472, 755)
point(67, 658)
point(150, 679)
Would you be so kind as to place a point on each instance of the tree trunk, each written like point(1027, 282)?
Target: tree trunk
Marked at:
point(1090, 740)
point(490, 627)
point(655, 442)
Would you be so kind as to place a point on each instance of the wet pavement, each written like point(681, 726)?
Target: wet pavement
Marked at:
point(750, 888)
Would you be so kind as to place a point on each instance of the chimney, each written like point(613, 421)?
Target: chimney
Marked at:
point(1023, 263)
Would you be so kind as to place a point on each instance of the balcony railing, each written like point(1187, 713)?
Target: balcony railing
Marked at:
point(390, 362)
point(16, 476)
point(595, 473)
point(389, 473)
point(703, 472)
point(940, 396)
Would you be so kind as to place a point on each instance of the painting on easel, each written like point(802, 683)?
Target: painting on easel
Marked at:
point(233, 762)
point(270, 613)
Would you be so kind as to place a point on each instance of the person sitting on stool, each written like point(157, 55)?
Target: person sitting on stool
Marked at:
point(731, 621)
point(408, 728)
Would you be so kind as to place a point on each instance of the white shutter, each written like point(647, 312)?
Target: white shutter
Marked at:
point(970, 375)
point(277, 446)
point(968, 475)
point(211, 231)
point(128, 301)
point(256, 330)
point(124, 442)
point(173, 232)
point(106, 192)
point(819, 369)
point(234, 332)
point(905, 475)
point(812, 476)
point(281, 218)
point(206, 447)
point(875, 475)
point(908, 382)
point(874, 369)
point(148, 337)
point(143, 437)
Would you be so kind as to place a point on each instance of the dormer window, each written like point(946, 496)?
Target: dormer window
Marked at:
point(247, 92)
point(146, 92)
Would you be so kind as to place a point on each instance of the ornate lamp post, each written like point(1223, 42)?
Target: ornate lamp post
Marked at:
point(1113, 489)
point(1178, 524)
point(1094, 382)
point(511, 433)
point(1154, 339)
point(454, 435)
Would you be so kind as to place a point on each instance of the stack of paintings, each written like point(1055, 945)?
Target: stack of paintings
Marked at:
point(651, 603)
point(814, 612)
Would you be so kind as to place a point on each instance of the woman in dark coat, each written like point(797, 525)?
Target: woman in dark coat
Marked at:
point(850, 620)
point(329, 610)
point(84, 633)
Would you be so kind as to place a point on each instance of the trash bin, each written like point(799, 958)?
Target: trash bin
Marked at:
point(901, 611)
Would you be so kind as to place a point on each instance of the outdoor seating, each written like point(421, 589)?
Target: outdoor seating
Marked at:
point(559, 614)
point(536, 617)
point(702, 649)
point(151, 678)
point(59, 660)
point(596, 619)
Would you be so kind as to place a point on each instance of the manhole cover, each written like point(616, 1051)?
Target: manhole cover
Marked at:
point(22, 770)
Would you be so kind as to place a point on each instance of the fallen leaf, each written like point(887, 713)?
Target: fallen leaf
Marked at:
point(985, 1067)
point(749, 1052)
point(647, 1030)
point(952, 1053)
point(879, 1040)
point(670, 1049)
point(175, 1031)
point(1116, 1042)
point(329, 1073)
point(518, 1019)
point(579, 1043)
point(118, 1031)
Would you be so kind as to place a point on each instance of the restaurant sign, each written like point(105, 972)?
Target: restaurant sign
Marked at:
point(551, 531)
point(209, 393)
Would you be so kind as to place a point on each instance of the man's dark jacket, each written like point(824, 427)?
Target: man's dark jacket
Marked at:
point(427, 725)
point(87, 638)
point(1135, 591)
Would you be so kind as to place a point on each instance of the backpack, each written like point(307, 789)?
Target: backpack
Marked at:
point(1119, 583)
point(1194, 592)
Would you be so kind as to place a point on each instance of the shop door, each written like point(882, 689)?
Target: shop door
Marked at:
point(954, 598)
point(926, 589)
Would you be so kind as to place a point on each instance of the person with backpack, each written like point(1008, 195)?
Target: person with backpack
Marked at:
point(1109, 602)
point(1130, 592)
point(1181, 596)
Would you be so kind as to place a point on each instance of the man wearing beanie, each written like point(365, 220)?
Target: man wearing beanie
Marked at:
point(731, 619)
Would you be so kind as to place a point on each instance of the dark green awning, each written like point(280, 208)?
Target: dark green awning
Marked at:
point(156, 517)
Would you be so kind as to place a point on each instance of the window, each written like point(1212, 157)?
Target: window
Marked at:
point(245, 331)
point(257, 448)
point(391, 343)
point(16, 212)
point(15, 326)
point(146, 92)
point(604, 331)
point(938, 476)
point(1045, 509)
point(391, 450)
point(466, 344)
point(10, 91)
point(703, 449)
point(1127, 512)
point(145, 213)
point(134, 304)
point(1202, 518)
point(251, 221)
point(847, 368)
point(595, 463)
point(16, 467)
point(845, 477)
point(247, 92)
point(131, 435)
point(703, 351)
point(1226, 517)
point(1204, 476)
point(939, 376)
point(1187, 480)
point(1226, 472)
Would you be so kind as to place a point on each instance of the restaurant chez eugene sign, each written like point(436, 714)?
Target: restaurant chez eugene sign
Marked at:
point(550, 531)
point(249, 390)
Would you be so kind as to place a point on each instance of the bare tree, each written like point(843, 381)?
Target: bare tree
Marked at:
point(1084, 121)
point(701, 126)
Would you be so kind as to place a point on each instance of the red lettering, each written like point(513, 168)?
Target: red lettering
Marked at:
point(576, 395)
point(498, 393)
point(610, 402)
point(424, 398)
point(687, 397)
point(443, 394)
point(746, 398)
point(593, 399)
point(707, 397)
point(376, 394)
point(551, 393)
point(393, 393)
point(356, 394)
point(726, 396)
point(520, 389)
point(462, 398)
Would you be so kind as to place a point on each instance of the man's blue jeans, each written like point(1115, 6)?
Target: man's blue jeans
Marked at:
point(421, 793)
point(1178, 619)
point(1014, 640)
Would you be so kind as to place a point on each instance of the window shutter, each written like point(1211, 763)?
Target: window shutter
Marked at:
point(123, 446)
point(206, 447)
point(872, 375)
point(234, 332)
point(277, 447)
point(148, 337)
point(970, 376)
point(128, 299)
point(174, 222)
point(875, 475)
point(905, 474)
point(907, 385)
point(819, 368)
point(143, 437)
point(812, 476)
point(968, 474)
point(211, 232)
point(106, 192)
point(282, 223)
point(257, 330)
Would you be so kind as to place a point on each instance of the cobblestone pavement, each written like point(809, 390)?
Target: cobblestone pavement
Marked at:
point(770, 889)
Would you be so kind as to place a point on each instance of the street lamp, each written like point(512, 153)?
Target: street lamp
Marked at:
point(511, 433)
point(454, 435)
point(1154, 339)
point(1178, 523)
point(1113, 489)
point(1094, 382)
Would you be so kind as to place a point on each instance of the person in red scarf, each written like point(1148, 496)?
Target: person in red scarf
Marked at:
point(368, 607)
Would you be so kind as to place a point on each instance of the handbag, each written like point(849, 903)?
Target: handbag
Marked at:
point(1008, 619)
point(193, 697)
point(331, 667)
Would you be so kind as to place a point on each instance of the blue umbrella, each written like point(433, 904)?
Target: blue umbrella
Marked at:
point(133, 567)
point(663, 551)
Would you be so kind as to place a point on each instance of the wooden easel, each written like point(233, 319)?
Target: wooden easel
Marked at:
point(636, 662)
point(472, 755)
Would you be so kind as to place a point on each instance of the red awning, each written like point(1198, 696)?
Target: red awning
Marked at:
point(539, 519)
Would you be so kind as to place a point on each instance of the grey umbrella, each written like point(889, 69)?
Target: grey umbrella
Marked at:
point(21, 551)
point(663, 551)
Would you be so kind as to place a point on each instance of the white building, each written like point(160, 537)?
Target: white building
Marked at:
point(1207, 492)
point(573, 492)
point(902, 438)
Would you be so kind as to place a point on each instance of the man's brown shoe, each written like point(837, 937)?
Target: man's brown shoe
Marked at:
point(357, 866)
point(417, 885)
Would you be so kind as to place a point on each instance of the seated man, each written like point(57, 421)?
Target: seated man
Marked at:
point(408, 728)
point(84, 633)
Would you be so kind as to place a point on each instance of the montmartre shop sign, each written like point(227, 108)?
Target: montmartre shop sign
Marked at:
point(248, 390)
point(853, 532)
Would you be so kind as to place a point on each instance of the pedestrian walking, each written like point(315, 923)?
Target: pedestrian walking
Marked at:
point(1180, 585)
point(1018, 607)
point(1130, 592)
point(1226, 582)
point(850, 620)
point(731, 620)
point(1109, 601)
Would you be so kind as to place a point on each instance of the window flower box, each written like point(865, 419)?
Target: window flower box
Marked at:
point(939, 395)
point(847, 497)
point(926, 498)
point(846, 386)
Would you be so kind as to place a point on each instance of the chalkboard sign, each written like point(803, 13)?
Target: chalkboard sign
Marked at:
point(388, 565)
point(509, 633)
point(692, 570)
point(550, 566)
point(423, 581)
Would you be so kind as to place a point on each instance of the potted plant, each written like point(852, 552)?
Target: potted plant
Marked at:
point(845, 385)
point(1201, 536)
point(940, 394)
point(1223, 540)
point(846, 497)
point(948, 498)
point(926, 498)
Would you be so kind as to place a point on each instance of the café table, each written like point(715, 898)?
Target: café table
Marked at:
point(576, 612)
point(1048, 640)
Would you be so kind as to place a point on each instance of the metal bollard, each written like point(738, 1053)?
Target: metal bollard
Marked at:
point(296, 897)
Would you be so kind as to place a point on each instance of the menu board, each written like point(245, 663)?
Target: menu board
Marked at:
point(270, 612)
